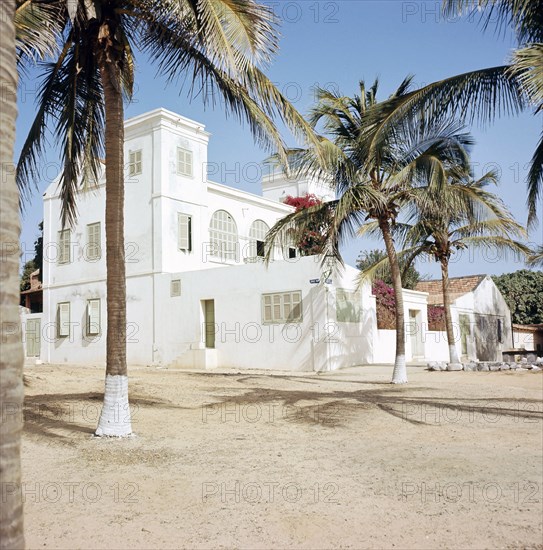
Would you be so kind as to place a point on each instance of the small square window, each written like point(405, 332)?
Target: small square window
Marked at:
point(175, 287)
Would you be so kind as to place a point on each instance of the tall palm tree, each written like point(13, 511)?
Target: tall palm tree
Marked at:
point(220, 44)
point(11, 358)
point(374, 173)
point(460, 215)
point(526, 68)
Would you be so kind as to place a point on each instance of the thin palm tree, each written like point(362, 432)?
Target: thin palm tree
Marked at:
point(219, 44)
point(462, 214)
point(11, 358)
point(374, 174)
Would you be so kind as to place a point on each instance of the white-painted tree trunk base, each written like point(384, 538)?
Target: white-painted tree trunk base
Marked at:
point(453, 354)
point(399, 375)
point(115, 418)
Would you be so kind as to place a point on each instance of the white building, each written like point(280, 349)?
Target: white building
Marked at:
point(198, 292)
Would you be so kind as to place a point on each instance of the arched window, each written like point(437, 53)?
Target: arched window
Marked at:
point(257, 236)
point(223, 236)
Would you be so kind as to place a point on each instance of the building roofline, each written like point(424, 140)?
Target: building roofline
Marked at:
point(252, 197)
point(164, 114)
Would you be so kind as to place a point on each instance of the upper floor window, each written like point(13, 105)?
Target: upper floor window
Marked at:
point(64, 249)
point(93, 317)
point(134, 163)
point(184, 232)
point(94, 249)
point(223, 236)
point(184, 162)
point(257, 236)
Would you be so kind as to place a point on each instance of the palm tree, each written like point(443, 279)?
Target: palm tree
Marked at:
point(536, 259)
point(374, 173)
point(460, 215)
point(11, 358)
point(220, 44)
point(526, 68)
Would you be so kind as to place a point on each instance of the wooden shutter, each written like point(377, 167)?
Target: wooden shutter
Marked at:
point(184, 235)
point(296, 306)
point(64, 246)
point(184, 162)
point(93, 237)
point(93, 316)
point(63, 319)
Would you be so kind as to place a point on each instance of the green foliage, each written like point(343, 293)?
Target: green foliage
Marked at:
point(35, 263)
point(410, 277)
point(38, 251)
point(523, 292)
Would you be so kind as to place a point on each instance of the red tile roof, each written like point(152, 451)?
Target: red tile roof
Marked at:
point(458, 286)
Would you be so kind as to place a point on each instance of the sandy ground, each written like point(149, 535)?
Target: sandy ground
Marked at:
point(247, 460)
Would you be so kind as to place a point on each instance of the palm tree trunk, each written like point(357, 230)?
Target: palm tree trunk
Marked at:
point(11, 358)
point(399, 375)
point(453, 352)
point(115, 416)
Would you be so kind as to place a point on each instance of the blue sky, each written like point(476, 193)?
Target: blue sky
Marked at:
point(335, 44)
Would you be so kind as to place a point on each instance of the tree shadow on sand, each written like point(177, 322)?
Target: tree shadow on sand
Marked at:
point(63, 415)
point(336, 408)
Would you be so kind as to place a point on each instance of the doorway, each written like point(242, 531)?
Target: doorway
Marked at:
point(417, 350)
point(465, 333)
point(208, 307)
point(32, 335)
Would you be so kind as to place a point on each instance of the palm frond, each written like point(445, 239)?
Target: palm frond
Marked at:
point(535, 183)
point(39, 27)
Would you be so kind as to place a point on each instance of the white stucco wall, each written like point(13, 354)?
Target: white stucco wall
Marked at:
point(319, 342)
point(415, 331)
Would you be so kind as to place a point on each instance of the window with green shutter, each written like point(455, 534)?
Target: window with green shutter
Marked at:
point(184, 232)
point(64, 256)
point(184, 162)
point(93, 316)
point(134, 163)
point(282, 307)
point(94, 247)
point(63, 319)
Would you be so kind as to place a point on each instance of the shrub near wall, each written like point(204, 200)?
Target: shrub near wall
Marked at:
point(386, 305)
point(436, 318)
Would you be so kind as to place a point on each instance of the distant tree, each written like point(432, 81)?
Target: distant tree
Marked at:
point(523, 292)
point(38, 251)
point(410, 276)
point(35, 263)
point(312, 238)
